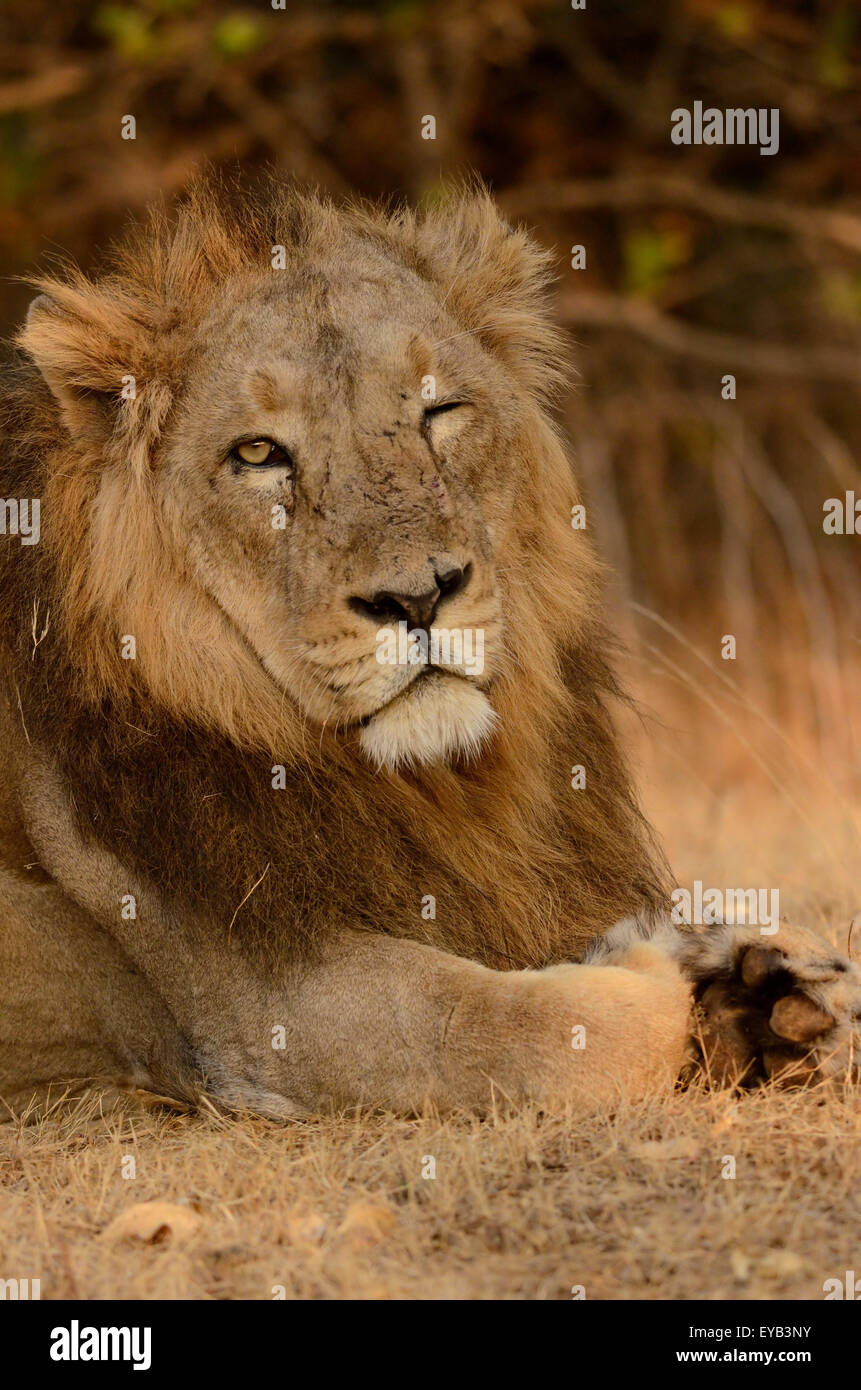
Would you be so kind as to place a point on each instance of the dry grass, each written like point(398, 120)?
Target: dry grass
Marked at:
point(628, 1205)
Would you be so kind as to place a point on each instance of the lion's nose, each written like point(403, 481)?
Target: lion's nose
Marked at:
point(414, 604)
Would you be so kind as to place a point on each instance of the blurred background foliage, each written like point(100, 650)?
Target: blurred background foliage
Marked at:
point(700, 260)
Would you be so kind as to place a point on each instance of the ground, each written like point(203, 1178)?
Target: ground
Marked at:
point(633, 1204)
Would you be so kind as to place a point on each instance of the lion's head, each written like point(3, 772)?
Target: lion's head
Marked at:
point(315, 478)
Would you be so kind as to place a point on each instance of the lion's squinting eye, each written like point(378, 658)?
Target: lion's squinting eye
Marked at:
point(432, 412)
point(440, 422)
point(261, 453)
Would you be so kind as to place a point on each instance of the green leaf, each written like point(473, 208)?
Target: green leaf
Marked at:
point(649, 255)
point(841, 295)
point(237, 34)
point(127, 29)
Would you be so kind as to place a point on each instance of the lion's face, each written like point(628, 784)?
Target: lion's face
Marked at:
point(341, 478)
point(332, 501)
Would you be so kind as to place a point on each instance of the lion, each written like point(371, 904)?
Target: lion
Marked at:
point(241, 855)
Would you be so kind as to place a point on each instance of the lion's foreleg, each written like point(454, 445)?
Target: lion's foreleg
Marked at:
point(393, 1022)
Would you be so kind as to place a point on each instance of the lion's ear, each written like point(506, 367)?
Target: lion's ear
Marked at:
point(91, 350)
point(496, 280)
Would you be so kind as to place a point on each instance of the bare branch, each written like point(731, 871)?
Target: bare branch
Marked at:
point(839, 225)
point(617, 313)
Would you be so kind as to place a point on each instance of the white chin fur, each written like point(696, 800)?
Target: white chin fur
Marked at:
point(440, 718)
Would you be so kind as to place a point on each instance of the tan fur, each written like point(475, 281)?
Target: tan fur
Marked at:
point(296, 906)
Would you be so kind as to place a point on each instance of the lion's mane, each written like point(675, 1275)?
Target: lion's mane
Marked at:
point(174, 776)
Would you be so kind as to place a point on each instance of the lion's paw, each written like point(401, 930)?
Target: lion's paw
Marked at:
point(786, 1007)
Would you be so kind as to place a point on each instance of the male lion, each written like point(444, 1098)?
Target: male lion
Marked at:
point(241, 855)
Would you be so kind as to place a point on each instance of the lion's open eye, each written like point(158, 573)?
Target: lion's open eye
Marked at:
point(261, 453)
